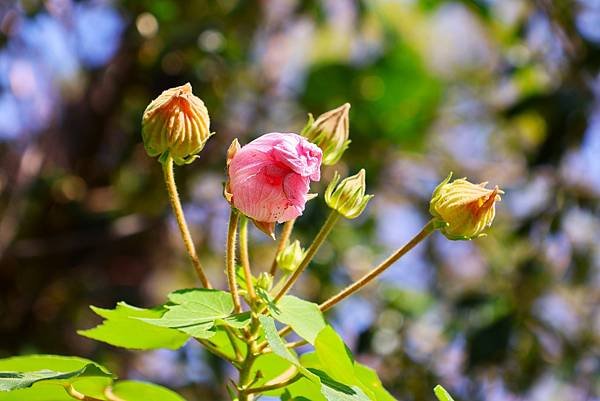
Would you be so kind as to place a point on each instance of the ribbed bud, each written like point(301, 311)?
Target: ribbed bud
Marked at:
point(348, 197)
point(264, 282)
point(330, 132)
point(176, 124)
point(463, 210)
point(290, 257)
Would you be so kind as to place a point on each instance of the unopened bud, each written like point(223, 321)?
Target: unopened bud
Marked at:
point(290, 257)
point(330, 132)
point(264, 282)
point(176, 124)
point(463, 210)
point(348, 197)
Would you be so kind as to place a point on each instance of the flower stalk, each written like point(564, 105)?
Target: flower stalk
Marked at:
point(230, 260)
point(244, 258)
point(367, 278)
point(288, 226)
point(169, 177)
point(310, 253)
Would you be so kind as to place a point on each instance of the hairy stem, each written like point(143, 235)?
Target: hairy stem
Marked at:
point(285, 235)
point(367, 278)
point(310, 253)
point(230, 260)
point(245, 259)
point(169, 177)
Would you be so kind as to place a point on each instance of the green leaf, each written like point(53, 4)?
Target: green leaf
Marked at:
point(23, 372)
point(368, 377)
point(304, 317)
point(442, 394)
point(330, 388)
point(268, 367)
point(276, 343)
point(236, 321)
point(141, 391)
point(220, 340)
point(195, 311)
point(335, 359)
point(123, 328)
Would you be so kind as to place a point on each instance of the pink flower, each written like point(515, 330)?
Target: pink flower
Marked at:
point(269, 177)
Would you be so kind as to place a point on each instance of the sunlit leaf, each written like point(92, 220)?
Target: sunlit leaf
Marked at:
point(195, 311)
point(304, 317)
point(442, 394)
point(123, 328)
point(23, 372)
point(329, 387)
point(141, 391)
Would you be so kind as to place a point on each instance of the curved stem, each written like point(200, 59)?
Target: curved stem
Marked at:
point(285, 235)
point(310, 253)
point(245, 259)
point(216, 351)
point(366, 279)
point(169, 177)
point(274, 386)
point(230, 260)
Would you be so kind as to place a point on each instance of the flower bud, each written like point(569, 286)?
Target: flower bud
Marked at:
point(462, 210)
point(329, 132)
point(264, 281)
point(176, 124)
point(290, 257)
point(348, 197)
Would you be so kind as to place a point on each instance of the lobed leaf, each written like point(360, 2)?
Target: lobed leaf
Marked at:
point(196, 311)
point(123, 327)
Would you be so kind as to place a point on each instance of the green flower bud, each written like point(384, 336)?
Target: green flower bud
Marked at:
point(264, 282)
point(348, 197)
point(176, 124)
point(290, 257)
point(330, 132)
point(462, 210)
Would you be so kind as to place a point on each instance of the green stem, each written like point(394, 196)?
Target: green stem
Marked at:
point(367, 278)
point(245, 259)
point(252, 353)
point(310, 253)
point(169, 177)
point(230, 260)
point(274, 386)
point(351, 289)
point(285, 235)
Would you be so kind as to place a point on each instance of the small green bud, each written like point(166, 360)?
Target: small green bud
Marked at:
point(348, 197)
point(463, 210)
point(264, 282)
point(176, 124)
point(330, 132)
point(290, 257)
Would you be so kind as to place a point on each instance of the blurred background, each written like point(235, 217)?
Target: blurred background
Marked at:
point(506, 91)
